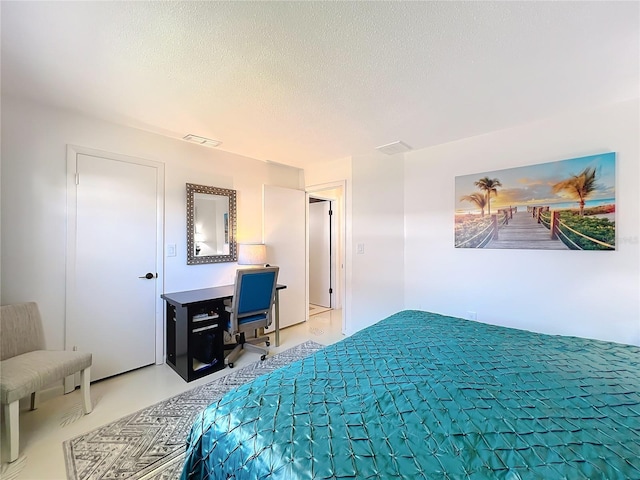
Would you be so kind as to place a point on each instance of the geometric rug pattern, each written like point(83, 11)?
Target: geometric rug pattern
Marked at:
point(150, 443)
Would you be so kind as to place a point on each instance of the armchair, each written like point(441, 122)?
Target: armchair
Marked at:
point(26, 367)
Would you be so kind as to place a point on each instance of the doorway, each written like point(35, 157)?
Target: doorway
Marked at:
point(114, 260)
point(320, 255)
point(327, 241)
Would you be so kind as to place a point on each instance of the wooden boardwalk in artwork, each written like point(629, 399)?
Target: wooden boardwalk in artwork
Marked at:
point(523, 231)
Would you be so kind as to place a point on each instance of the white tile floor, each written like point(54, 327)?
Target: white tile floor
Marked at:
point(59, 417)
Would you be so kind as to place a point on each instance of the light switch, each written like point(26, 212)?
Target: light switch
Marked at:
point(171, 250)
point(360, 249)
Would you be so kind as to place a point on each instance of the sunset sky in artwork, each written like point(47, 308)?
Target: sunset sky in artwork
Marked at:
point(532, 185)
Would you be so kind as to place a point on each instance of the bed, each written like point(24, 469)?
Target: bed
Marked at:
point(420, 395)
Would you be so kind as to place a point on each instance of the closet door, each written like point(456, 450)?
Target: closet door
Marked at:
point(284, 234)
point(113, 260)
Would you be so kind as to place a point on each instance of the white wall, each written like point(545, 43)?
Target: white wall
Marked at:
point(589, 294)
point(327, 172)
point(403, 218)
point(34, 140)
point(375, 218)
point(377, 222)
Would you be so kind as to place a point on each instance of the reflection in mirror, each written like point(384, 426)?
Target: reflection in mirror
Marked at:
point(211, 224)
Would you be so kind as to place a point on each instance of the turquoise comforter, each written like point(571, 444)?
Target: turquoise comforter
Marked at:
point(420, 395)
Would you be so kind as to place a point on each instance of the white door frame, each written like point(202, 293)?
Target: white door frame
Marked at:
point(339, 240)
point(72, 152)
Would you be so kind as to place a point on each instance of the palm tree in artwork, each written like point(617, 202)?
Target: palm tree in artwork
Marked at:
point(579, 186)
point(479, 199)
point(488, 185)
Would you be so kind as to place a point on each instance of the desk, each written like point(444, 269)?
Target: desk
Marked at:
point(194, 317)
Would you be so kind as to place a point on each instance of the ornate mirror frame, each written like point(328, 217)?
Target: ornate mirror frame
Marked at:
point(230, 225)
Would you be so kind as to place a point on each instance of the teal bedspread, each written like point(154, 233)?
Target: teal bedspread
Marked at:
point(420, 395)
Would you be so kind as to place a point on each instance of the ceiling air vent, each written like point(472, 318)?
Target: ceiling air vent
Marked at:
point(394, 147)
point(207, 142)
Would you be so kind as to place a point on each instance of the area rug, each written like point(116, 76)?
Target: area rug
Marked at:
point(150, 444)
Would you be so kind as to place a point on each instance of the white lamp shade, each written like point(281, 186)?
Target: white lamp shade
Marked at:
point(252, 254)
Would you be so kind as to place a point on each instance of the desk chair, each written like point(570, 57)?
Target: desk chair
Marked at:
point(251, 309)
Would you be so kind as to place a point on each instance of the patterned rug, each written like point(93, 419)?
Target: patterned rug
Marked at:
point(150, 443)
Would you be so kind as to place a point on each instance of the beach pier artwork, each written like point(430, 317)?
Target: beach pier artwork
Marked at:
point(563, 205)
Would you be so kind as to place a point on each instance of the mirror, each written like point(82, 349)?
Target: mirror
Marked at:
point(211, 225)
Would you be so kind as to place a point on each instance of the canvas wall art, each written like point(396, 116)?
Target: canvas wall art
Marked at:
point(564, 205)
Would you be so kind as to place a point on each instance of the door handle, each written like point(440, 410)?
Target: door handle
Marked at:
point(149, 276)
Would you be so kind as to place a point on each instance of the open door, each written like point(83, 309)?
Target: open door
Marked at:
point(284, 234)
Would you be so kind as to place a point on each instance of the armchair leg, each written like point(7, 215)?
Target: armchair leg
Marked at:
point(34, 400)
point(11, 416)
point(85, 381)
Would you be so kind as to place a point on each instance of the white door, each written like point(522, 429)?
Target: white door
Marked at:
point(320, 253)
point(111, 305)
point(284, 234)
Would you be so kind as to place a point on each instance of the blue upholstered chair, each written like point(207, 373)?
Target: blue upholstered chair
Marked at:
point(251, 309)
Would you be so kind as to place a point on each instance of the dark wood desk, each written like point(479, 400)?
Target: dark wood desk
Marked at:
point(194, 329)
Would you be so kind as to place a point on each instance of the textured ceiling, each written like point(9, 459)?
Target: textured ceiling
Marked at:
point(300, 82)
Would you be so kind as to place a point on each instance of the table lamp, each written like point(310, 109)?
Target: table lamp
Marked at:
point(252, 254)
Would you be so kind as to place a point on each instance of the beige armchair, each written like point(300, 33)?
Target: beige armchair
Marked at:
point(26, 367)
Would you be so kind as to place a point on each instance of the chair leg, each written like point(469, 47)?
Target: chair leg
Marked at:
point(34, 400)
point(85, 381)
point(254, 348)
point(262, 339)
point(233, 355)
point(11, 417)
